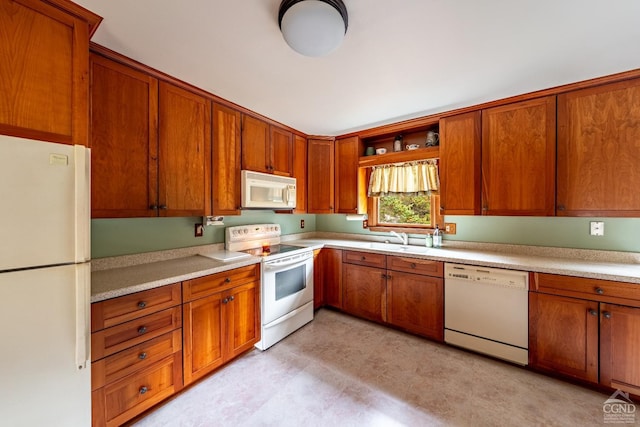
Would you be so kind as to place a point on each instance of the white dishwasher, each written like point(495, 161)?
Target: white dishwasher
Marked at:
point(486, 310)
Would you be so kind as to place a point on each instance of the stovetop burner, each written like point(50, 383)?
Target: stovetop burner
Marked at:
point(272, 250)
point(258, 240)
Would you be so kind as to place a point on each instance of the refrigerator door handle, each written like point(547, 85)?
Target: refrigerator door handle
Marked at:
point(82, 156)
point(83, 317)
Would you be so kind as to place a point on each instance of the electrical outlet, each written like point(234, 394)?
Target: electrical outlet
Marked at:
point(597, 228)
point(199, 230)
point(450, 227)
point(302, 223)
point(365, 223)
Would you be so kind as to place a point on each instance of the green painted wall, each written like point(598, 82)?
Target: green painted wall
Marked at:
point(620, 234)
point(113, 237)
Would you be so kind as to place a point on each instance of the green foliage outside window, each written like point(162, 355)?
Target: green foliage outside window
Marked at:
point(404, 209)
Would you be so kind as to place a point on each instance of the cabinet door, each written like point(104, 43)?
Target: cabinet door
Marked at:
point(242, 312)
point(226, 161)
point(598, 151)
point(460, 163)
point(416, 303)
point(124, 141)
point(563, 335)
point(281, 151)
point(320, 176)
point(620, 347)
point(184, 153)
point(519, 158)
point(300, 172)
point(43, 67)
point(255, 145)
point(331, 265)
point(347, 196)
point(203, 347)
point(365, 292)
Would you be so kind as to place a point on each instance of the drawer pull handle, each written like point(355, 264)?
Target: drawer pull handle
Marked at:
point(227, 280)
point(606, 315)
point(142, 356)
point(599, 291)
point(413, 265)
point(142, 304)
point(363, 258)
point(142, 330)
point(593, 312)
point(143, 390)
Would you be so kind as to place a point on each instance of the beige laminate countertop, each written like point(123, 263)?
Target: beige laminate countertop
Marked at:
point(115, 282)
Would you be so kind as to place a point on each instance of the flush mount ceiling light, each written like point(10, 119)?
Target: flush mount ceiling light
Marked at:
point(313, 27)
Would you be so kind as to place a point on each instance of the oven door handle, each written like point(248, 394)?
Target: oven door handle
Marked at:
point(280, 266)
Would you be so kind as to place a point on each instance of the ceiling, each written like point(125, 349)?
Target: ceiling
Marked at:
point(400, 59)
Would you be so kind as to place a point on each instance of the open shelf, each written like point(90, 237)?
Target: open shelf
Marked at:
point(399, 157)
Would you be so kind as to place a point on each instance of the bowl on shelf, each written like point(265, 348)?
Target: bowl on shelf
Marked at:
point(381, 150)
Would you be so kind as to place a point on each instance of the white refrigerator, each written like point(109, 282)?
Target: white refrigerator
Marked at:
point(45, 275)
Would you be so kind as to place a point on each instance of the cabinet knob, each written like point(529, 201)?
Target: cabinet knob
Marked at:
point(413, 265)
point(142, 356)
point(143, 390)
point(225, 300)
point(593, 312)
point(227, 280)
point(231, 298)
point(362, 258)
point(599, 291)
point(561, 207)
point(606, 315)
point(163, 207)
point(142, 304)
point(142, 330)
point(153, 207)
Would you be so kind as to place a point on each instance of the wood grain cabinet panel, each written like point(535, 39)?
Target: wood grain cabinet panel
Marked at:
point(563, 335)
point(320, 179)
point(184, 153)
point(415, 303)
point(124, 140)
point(519, 158)
point(243, 317)
point(226, 160)
point(44, 68)
point(300, 172)
point(599, 151)
point(327, 276)
point(620, 347)
point(255, 145)
point(365, 291)
point(348, 199)
point(460, 161)
point(281, 151)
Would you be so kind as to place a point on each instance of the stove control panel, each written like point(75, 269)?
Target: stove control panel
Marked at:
point(251, 236)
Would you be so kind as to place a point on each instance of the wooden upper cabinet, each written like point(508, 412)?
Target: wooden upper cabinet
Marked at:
point(255, 145)
point(226, 160)
point(124, 140)
point(599, 151)
point(460, 146)
point(320, 178)
point(281, 151)
point(184, 153)
point(44, 70)
point(300, 172)
point(519, 158)
point(348, 197)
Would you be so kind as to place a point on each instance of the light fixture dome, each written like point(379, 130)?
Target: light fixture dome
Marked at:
point(313, 27)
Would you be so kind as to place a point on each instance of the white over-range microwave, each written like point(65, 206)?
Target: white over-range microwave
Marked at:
point(264, 191)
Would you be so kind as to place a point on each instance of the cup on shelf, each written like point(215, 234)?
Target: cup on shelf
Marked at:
point(433, 139)
point(412, 146)
point(370, 151)
point(381, 150)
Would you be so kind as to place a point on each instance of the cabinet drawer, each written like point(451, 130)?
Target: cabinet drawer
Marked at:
point(114, 311)
point(204, 286)
point(117, 338)
point(119, 365)
point(417, 266)
point(133, 395)
point(593, 289)
point(364, 258)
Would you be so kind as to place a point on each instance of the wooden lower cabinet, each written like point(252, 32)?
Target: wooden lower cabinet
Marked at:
point(586, 329)
point(327, 278)
point(365, 292)
point(563, 335)
point(221, 325)
point(404, 292)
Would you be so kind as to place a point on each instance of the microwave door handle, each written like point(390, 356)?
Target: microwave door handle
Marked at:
point(285, 195)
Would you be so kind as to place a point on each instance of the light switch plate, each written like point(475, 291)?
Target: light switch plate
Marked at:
point(597, 228)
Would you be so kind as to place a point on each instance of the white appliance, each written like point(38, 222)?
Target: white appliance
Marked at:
point(264, 191)
point(286, 280)
point(486, 310)
point(45, 276)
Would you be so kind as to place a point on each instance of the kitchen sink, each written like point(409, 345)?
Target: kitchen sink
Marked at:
point(395, 247)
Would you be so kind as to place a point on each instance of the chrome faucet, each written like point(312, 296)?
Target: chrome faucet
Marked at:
point(401, 236)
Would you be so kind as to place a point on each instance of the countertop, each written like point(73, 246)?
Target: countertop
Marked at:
point(123, 280)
